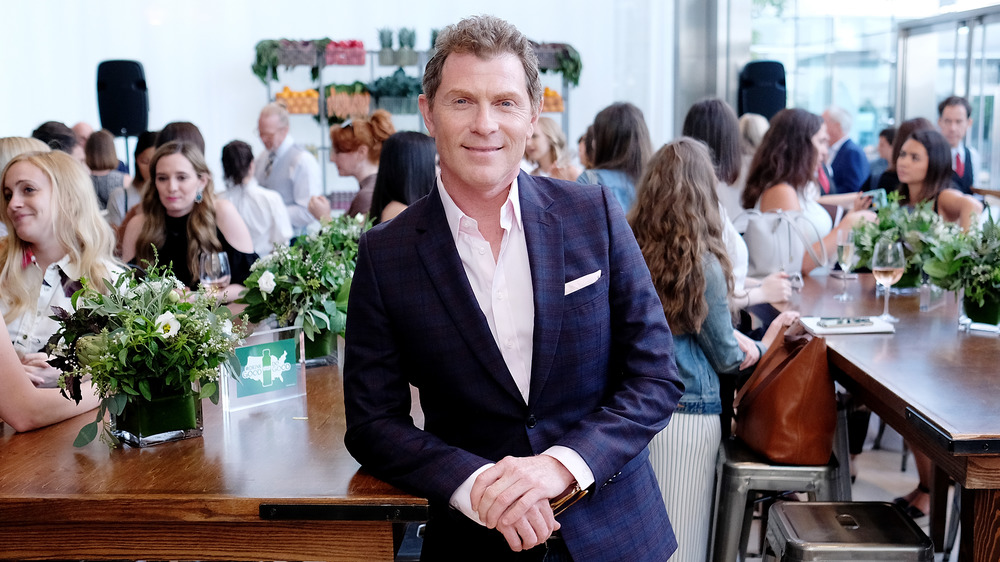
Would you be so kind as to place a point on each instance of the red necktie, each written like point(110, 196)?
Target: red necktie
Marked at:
point(824, 181)
point(959, 166)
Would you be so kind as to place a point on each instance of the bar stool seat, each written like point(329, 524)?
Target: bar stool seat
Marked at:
point(742, 472)
point(814, 531)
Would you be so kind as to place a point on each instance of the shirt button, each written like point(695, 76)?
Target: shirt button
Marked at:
point(531, 422)
point(510, 342)
point(482, 251)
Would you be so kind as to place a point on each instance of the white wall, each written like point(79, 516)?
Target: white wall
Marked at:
point(197, 55)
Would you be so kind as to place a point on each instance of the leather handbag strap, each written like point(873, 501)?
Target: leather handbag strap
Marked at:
point(781, 352)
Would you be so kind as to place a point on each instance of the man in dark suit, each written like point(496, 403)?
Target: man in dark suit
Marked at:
point(954, 120)
point(523, 312)
point(846, 159)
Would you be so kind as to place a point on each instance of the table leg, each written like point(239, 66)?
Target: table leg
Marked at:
point(981, 515)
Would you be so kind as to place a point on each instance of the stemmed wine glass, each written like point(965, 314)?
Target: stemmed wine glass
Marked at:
point(215, 274)
point(845, 257)
point(888, 264)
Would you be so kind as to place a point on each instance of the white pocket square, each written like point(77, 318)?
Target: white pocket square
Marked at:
point(577, 284)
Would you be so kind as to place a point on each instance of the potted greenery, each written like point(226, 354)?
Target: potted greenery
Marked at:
point(307, 284)
point(406, 56)
point(919, 229)
point(396, 93)
point(386, 57)
point(970, 261)
point(153, 351)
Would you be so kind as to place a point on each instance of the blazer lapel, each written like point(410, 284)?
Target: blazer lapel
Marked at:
point(544, 234)
point(436, 248)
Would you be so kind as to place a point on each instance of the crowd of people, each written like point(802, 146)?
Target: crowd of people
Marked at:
point(554, 313)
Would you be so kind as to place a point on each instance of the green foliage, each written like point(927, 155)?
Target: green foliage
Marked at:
point(570, 65)
point(969, 260)
point(920, 229)
point(307, 284)
point(144, 332)
point(398, 84)
point(407, 38)
point(434, 37)
point(385, 37)
point(265, 65)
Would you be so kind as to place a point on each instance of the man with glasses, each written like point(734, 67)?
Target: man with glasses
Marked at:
point(286, 167)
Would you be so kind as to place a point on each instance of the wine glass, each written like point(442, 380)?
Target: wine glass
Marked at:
point(845, 258)
point(888, 264)
point(214, 273)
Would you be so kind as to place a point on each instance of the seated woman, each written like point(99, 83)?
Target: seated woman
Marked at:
point(11, 147)
point(783, 166)
point(57, 236)
point(25, 407)
point(621, 149)
point(103, 163)
point(356, 148)
point(406, 172)
point(181, 218)
point(677, 224)
point(547, 149)
point(263, 210)
point(924, 171)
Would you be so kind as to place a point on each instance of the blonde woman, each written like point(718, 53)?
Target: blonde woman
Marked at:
point(11, 147)
point(57, 237)
point(678, 226)
point(547, 149)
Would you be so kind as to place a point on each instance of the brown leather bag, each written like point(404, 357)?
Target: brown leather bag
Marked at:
point(787, 410)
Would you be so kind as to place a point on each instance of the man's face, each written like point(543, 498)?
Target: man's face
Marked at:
point(481, 120)
point(832, 127)
point(954, 123)
point(272, 134)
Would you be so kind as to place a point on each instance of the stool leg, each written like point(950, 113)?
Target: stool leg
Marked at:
point(953, 520)
point(841, 450)
point(730, 512)
point(878, 436)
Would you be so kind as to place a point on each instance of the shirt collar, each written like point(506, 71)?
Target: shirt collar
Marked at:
point(285, 145)
point(510, 212)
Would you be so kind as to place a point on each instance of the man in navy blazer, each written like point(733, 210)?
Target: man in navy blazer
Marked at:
point(523, 312)
point(847, 159)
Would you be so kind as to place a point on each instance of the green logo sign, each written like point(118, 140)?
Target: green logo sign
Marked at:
point(266, 367)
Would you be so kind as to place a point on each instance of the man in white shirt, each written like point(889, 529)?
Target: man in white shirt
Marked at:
point(954, 120)
point(286, 167)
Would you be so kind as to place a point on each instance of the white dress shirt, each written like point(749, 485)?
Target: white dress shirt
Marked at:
point(503, 290)
point(264, 213)
point(295, 175)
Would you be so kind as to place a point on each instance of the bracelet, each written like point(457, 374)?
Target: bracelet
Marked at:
point(569, 497)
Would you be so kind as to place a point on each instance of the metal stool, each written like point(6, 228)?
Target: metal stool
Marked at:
point(741, 471)
point(805, 532)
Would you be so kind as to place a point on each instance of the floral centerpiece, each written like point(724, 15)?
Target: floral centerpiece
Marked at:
point(970, 261)
point(919, 229)
point(152, 350)
point(307, 284)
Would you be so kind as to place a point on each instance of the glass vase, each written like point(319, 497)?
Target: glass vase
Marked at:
point(171, 415)
point(988, 313)
point(319, 349)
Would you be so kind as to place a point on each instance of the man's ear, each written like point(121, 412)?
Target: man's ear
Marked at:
point(427, 113)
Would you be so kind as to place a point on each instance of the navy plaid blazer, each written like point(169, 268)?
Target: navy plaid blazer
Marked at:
point(603, 378)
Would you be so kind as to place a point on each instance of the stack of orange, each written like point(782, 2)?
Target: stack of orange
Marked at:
point(552, 102)
point(306, 101)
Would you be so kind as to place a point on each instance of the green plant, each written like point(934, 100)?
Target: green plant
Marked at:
point(969, 260)
point(385, 37)
point(308, 283)
point(570, 65)
point(434, 37)
point(265, 65)
point(398, 84)
point(407, 38)
point(144, 333)
point(920, 229)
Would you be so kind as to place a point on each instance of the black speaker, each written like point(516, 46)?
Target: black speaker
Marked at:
point(762, 88)
point(122, 98)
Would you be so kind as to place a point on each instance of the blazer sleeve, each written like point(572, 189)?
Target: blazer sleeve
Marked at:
point(643, 386)
point(380, 433)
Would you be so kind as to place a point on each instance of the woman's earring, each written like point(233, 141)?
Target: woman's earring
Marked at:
point(198, 197)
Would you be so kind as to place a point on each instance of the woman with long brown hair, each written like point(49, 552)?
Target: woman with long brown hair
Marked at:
point(678, 226)
point(181, 218)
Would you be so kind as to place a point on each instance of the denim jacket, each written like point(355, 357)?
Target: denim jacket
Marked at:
point(703, 356)
point(615, 180)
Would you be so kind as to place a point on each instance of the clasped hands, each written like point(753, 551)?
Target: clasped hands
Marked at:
point(513, 497)
point(41, 374)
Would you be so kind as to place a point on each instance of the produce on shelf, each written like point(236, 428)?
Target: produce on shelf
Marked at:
point(552, 102)
point(306, 101)
point(348, 51)
point(344, 101)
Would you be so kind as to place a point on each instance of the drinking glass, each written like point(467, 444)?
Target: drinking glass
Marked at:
point(845, 257)
point(888, 264)
point(214, 273)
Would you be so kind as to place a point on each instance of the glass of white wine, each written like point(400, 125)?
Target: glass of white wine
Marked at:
point(215, 274)
point(888, 263)
point(845, 258)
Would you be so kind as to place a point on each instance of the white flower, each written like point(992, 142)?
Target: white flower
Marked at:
point(227, 327)
point(266, 282)
point(168, 324)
